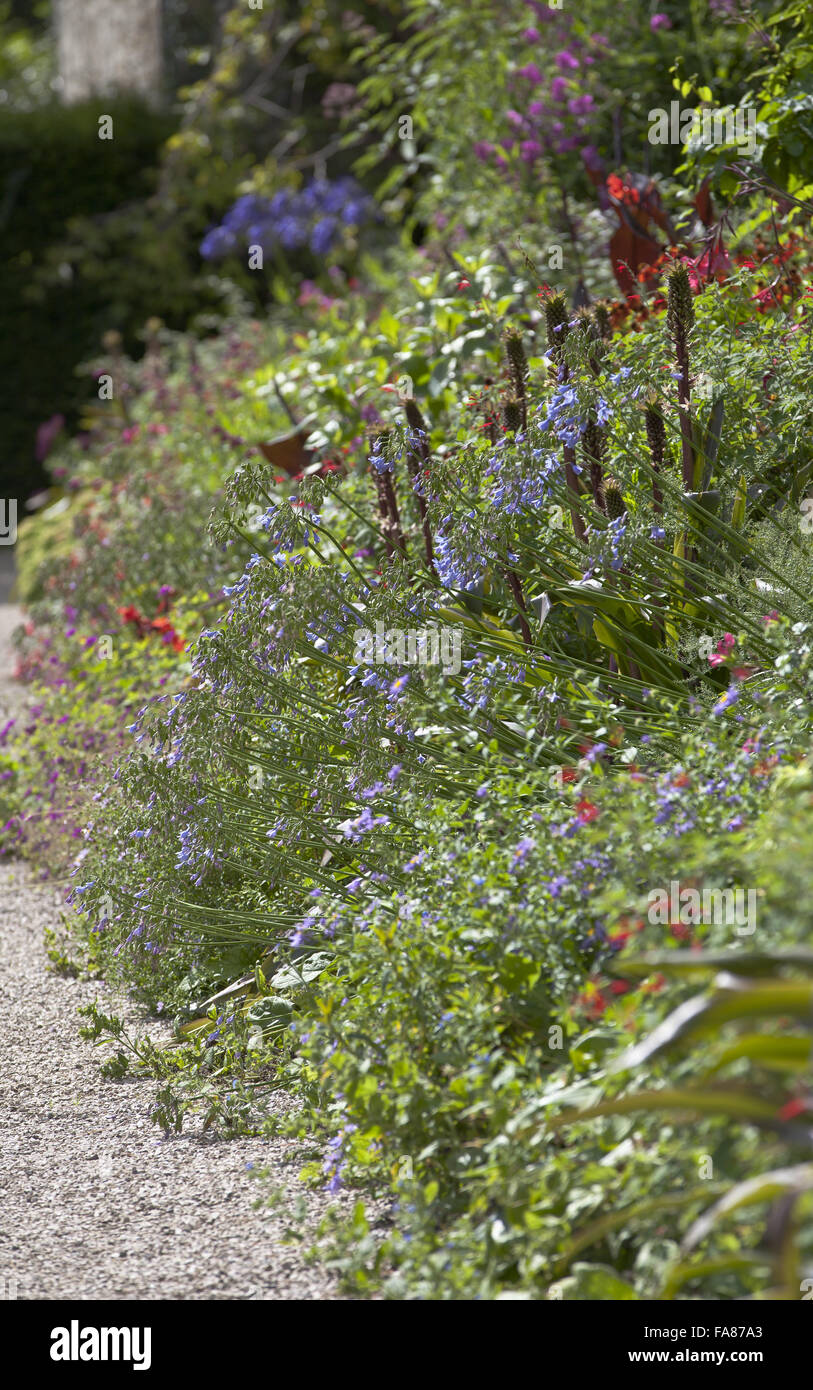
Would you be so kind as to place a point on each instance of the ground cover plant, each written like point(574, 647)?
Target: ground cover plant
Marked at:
point(429, 673)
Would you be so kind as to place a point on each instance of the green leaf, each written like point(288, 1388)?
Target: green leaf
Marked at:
point(592, 1284)
point(765, 1188)
point(735, 1105)
point(779, 1054)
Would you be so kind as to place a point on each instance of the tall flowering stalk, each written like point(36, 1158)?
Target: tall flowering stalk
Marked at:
point(517, 364)
point(656, 438)
point(417, 454)
point(387, 503)
point(596, 324)
point(680, 321)
point(556, 322)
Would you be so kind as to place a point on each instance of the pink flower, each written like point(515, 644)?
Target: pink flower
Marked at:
point(713, 264)
point(724, 649)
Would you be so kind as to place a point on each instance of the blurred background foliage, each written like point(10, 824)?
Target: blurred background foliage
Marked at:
point(100, 237)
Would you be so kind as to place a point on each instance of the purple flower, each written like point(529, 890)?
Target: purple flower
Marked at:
point(559, 88)
point(250, 208)
point(566, 61)
point(730, 698)
point(522, 851)
point(46, 435)
point(530, 150)
point(323, 235)
point(292, 232)
point(660, 21)
point(218, 242)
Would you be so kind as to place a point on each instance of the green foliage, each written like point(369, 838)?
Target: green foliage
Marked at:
point(428, 896)
point(53, 166)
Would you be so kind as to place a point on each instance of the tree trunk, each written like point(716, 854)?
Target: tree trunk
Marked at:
point(109, 47)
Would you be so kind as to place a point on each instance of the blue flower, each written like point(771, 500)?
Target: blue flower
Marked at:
point(730, 698)
point(323, 235)
point(218, 242)
point(292, 232)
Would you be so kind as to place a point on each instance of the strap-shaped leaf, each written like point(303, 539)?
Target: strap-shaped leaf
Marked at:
point(764, 1188)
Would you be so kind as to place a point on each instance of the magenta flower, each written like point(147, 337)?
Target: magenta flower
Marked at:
point(660, 21)
point(566, 61)
point(531, 35)
point(578, 106)
point(541, 9)
point(46, 436)
point(724, 649)
point(531, 72)
point(559, 88)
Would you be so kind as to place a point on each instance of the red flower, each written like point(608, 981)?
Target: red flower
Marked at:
point(793, 1108)
point(586, 811)
point(130, 614)
point(655, 985)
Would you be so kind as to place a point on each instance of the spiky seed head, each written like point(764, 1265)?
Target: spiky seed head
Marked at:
point(512, 414)
point(556, 320)
point(414, 417)
point(614, 498)
point(601, 318)
point(515, 357)
point(655, 433)
point(680, 301)
point(585, 321)
point(593, 440)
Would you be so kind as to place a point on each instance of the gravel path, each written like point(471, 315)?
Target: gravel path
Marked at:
point(94, 1203)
